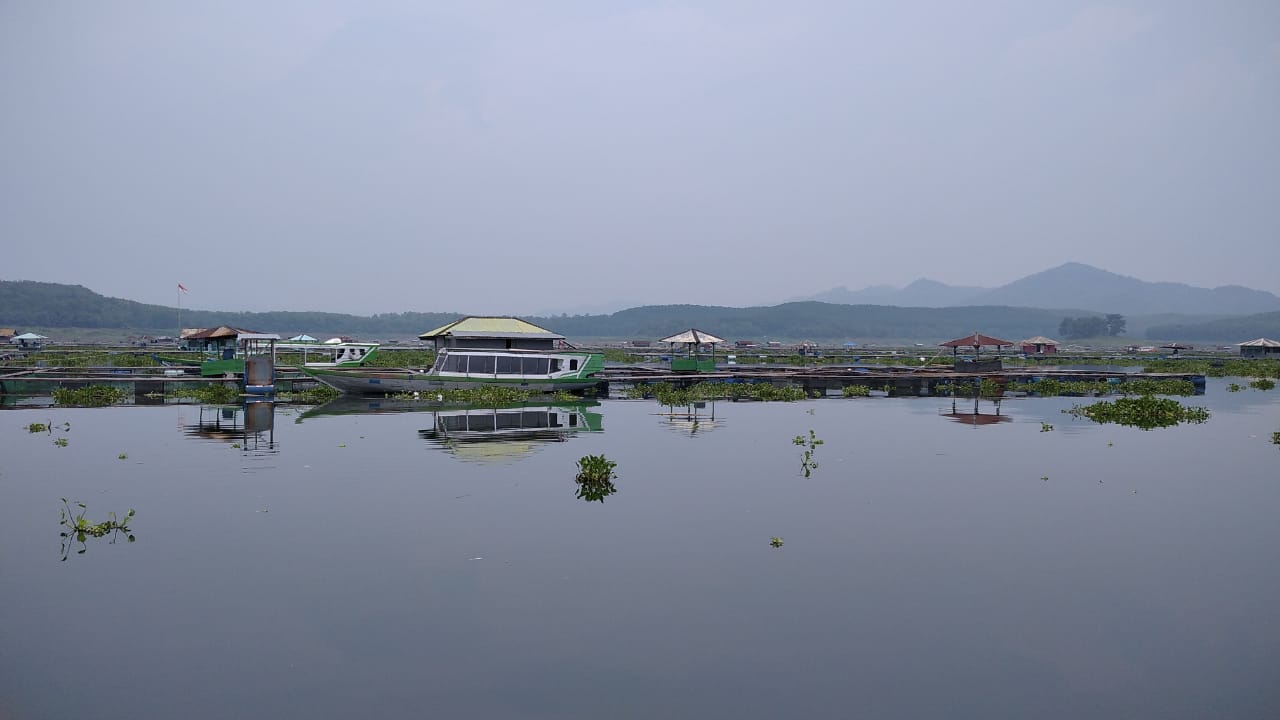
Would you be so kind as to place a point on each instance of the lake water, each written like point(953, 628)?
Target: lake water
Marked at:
point(933, 565)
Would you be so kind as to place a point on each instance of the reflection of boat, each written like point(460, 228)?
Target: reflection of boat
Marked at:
point(975, 417)
point(494, 434)
point(532, 370)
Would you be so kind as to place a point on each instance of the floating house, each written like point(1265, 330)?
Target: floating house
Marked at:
point(1039, 345)
point(28, 341)
point(1260, 348)
point(493, 333)
point(220, 340)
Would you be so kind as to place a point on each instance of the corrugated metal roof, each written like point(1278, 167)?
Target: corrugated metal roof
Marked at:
point(495, 327)
point(1039, 340)
point(1261, 342)
point(975, 339)
point(693, 335)
point(221, 331)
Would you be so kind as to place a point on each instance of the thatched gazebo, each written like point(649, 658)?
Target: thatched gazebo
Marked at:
point(694, 340)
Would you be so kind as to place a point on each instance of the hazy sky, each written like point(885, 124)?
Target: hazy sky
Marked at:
point(521, 157)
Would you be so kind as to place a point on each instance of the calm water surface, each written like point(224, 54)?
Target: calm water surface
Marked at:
point(935, 564)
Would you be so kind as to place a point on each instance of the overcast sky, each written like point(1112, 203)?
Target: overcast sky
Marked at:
point(521, 157)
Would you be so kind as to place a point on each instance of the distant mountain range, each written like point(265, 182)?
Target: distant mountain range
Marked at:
point(1034, 305)
point(1072, 285)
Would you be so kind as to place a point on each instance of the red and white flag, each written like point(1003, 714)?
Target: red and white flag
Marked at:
point(183, 288)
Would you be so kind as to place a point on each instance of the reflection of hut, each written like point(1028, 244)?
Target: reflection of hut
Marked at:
point(977, 341)
point(1260, 348)
point(975, 418)
point(494, 333)
point(695, 341)
point(1039, 345)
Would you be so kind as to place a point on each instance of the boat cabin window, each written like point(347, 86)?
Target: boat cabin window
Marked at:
point(508, 365)
point(455, 363)
point(573, 364)
point(556, 364)
point(481, 364)
point(533, 366)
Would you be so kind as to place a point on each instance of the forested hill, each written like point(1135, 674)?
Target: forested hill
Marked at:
point(1226, 330)
point(26, 304)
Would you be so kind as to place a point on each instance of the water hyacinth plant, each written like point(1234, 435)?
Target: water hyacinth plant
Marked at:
point(1145, 412)
point(595, 478)
point(78, 529)
point(810, 444)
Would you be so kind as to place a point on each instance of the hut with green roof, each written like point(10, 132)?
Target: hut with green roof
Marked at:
point(492, 333)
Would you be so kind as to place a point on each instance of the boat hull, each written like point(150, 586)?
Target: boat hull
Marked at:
point(387, 382)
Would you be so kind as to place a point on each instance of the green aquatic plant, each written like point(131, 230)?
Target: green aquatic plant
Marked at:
point(1275, 438)
point(88, 396)
point(1262, 384)
point(1146, 412)
point(1157, 386)
point(78, 529)
point(668, 394)
point(595, 478)
point(1045, 427)
point(61, 442)
point(315, 395)
point(810, 445)
point(122, 456)
point(209, 394)
point(38, 427)
point(855, 391)
point(775, 541)
point(1235, 387)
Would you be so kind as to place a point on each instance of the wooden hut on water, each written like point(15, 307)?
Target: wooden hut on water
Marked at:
point(695, 341)
point(1039, 345)
point(1260, 348)
point(977, 341)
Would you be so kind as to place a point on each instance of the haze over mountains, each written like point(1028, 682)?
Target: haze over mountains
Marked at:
point(1071, 285)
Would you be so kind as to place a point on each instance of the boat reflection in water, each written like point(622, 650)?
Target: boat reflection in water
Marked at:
point(479, 434)
point(975, 417)
point(251, 426)
point(507, 434)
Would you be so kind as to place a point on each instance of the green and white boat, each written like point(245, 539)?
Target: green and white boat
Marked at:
point(459, 368)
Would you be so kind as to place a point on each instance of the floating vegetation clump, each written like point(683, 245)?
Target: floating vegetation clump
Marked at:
point(1238, 367)
point(775, 542)
point(1053, 387)
point(316, 395)
point(595, 478)
point(76, 528)
point(38, 427)
point(61, 442)
point(668, 394)
point(88, 396)
point(481, 395)
point(1046, 427)
point(1145, 412)
point(1158, 386)
point(985, 387)
point(1262, 384)
point(1235, 387)
point(1275, 438)
point(810, 445)
point(209, 394)
point(855, 391)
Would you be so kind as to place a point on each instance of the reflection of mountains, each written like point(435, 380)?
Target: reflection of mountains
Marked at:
point(510, 433)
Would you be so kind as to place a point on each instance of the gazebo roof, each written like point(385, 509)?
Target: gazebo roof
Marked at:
point(1261, 342)
point(693, 335)
point(1039, 340)
point(975, 340)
